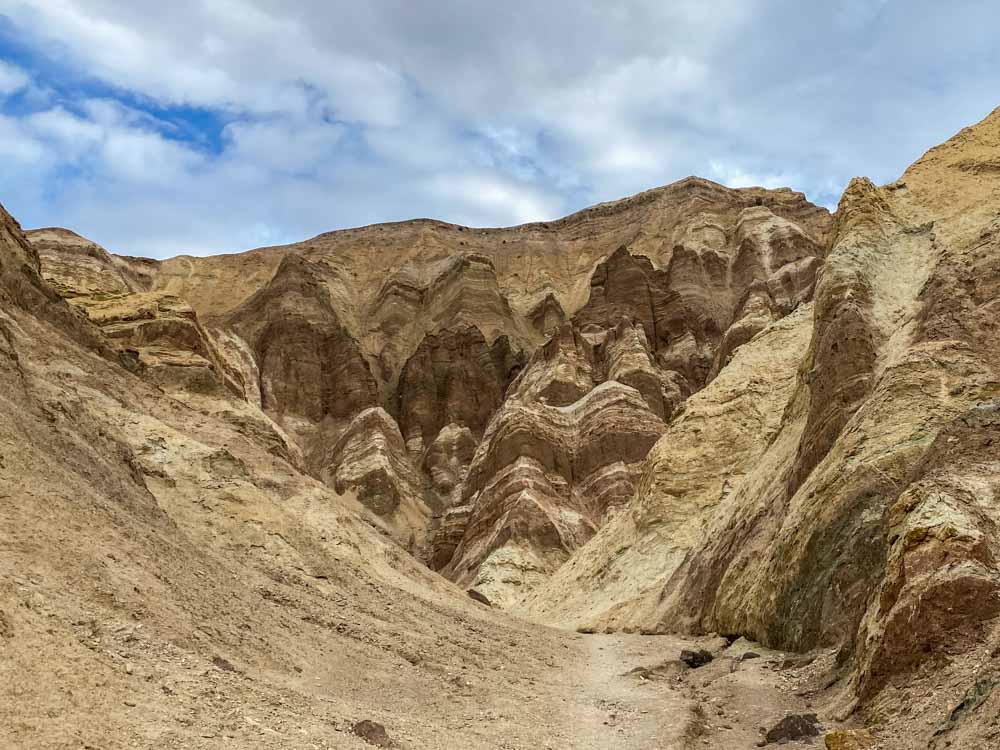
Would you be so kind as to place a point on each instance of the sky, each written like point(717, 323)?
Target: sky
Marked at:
point(205, 126)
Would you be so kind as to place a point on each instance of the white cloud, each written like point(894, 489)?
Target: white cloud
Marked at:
point(71, 132)
point(284, 145)
point(735, 177)
point(114, 141)
point(18, 145)
point(485, 200)
point(139, 157)
point(232, 55)
point(333, 113)
point(12, 79)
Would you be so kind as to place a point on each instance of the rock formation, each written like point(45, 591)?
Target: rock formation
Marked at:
point(696, 410)
point(370, 460)
point(471, 345)
point(156, 332)
point(854, 502)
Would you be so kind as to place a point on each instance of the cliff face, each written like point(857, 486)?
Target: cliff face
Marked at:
point(833, 485)
point(553, 353)
point(698, 409)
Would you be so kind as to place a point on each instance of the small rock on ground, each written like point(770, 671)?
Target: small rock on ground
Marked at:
point(792, 727)
point(695, 659)
point(373, 733)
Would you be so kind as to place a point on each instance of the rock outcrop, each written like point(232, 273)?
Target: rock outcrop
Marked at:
point(454, 377)
point(370, 460)
point(155, 332)
point(311, 367)
point(543, 479)
point(692, 471)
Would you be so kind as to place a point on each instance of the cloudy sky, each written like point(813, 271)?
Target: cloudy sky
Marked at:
point(198, 126)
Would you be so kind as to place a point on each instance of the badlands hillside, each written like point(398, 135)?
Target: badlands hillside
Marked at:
point(703, 467)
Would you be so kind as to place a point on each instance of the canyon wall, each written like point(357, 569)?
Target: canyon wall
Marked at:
point(698, 409)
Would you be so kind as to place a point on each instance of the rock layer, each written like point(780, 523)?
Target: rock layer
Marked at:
point(542, 481)
point(499, 356)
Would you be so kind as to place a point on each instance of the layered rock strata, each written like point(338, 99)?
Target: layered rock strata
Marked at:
point(697, 409)
point(461, 382)
point(861, 512)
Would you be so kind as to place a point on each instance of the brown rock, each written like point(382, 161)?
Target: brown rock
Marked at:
point(370, 461)
point(542, 481)
point(454, 377)
point(792, 728)
point(478, 597)
point(695, 659)
point(310, 366)
point(373, 733)
point(447, 460)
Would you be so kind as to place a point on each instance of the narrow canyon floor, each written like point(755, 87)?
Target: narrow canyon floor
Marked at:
point(545, 689)
point(632, 691)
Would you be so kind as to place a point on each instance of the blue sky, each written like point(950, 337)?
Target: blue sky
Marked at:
point(201, 126)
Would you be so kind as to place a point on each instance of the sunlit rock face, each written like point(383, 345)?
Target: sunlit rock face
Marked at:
point(490, 395)
point(835, 482)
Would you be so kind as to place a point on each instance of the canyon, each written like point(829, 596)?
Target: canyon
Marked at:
point(422, 485)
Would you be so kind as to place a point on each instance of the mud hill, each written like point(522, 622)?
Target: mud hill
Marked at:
point(288, 497)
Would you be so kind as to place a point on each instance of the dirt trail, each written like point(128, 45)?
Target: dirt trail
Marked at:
point(631, 691)
point(613, 708)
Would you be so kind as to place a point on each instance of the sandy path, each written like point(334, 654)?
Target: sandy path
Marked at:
point(611, 708)
point(600, 703)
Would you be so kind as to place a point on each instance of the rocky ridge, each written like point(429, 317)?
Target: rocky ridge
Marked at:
point(500, 338)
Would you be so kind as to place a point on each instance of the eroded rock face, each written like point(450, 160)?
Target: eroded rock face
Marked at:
point(23, 286)
point(371, 461)
point(697, 409)
point(454, 377)
point(712, 296)
point(428, 301)
point(310, 366)
point(876, 388)
point(616, 581)
point(543, 480)
point(157, 334)
point(77, 267)
point(446, 461)
point(851, 501)
point(508, 381)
